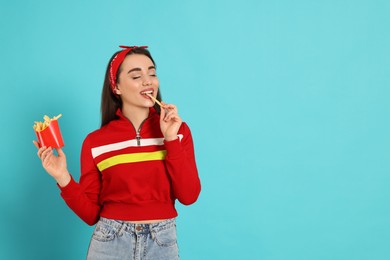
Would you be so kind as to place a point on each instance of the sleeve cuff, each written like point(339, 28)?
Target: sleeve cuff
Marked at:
point(174, 148)
point(70, 186)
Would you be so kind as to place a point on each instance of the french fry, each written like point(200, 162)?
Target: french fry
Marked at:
point(40, 126)
point(154, 99)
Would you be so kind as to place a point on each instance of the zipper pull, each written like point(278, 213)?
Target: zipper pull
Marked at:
point(138, 137)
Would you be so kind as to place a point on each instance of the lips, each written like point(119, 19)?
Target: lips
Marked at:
point(147, 91)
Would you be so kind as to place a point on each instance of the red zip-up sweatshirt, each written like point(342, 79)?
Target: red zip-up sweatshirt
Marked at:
point(133, 174)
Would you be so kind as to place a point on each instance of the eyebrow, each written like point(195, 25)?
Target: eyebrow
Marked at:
point(139, 69)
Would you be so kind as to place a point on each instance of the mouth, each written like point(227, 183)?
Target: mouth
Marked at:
point(145, 92)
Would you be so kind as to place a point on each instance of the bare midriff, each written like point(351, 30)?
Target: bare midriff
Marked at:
point(146, 221)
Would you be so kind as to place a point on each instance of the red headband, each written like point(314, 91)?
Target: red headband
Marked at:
point(117, 61)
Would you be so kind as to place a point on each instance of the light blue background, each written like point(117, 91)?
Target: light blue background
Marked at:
point(288, 102)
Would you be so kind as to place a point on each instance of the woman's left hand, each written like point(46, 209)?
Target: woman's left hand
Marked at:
point(170, 121)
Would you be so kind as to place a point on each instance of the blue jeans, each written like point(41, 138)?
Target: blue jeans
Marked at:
point(114, 239)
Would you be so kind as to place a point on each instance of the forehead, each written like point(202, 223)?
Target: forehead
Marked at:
point(136, 61)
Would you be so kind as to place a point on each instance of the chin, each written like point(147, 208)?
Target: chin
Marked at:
point(148, 104)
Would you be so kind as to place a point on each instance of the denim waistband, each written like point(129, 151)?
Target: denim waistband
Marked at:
point(139, 228)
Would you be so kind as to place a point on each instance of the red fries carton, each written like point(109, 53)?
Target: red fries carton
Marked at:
point(48, 132)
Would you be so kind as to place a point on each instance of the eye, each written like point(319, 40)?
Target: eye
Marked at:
point(136, 77)
point(152, 73)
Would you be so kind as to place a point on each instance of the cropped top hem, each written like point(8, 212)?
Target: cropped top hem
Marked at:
point(138, 212)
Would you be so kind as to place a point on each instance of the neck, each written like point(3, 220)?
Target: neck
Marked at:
point(135, 114)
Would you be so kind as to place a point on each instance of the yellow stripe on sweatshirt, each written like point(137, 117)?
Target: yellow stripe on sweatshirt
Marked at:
point(131, 158)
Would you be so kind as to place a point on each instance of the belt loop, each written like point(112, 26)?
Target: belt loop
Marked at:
point(152, 231)
point(122, 229)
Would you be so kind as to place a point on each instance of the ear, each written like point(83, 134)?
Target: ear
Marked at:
point(117, 91)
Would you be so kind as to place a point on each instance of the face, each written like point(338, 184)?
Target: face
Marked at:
point(137, 76)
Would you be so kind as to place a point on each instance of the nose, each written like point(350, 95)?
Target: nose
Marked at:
point(147, 81)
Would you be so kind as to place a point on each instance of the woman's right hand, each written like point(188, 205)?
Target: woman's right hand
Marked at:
point(54, 165)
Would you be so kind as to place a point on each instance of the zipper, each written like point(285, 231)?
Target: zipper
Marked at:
point(138, 132)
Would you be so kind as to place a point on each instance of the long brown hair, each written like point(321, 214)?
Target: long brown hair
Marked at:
point(111, 102)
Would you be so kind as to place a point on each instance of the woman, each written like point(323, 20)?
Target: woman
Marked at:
point(133, 168)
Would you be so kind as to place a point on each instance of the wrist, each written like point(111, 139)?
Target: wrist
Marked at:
point(63, 179)
point(170, 138)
